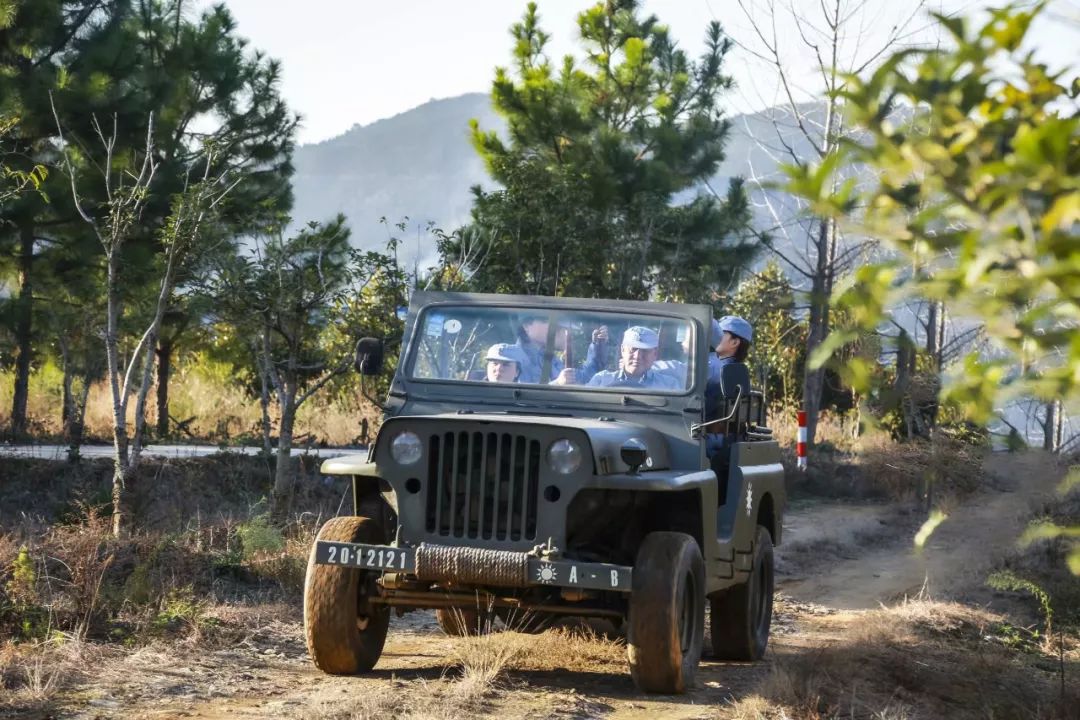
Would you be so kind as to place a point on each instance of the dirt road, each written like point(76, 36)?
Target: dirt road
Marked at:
point(836, 558)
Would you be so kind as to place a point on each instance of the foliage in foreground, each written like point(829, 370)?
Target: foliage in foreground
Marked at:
point(979, 195)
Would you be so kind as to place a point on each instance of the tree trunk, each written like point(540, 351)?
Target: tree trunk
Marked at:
point(281, 496)
point(77, 423)
point(67, 412)
point(820, 290)
point(164, 358)
point(121, 475)
point(264, 399)
point(24, 307)
point(935, 345)
point(117, 388)
point(1053, 426)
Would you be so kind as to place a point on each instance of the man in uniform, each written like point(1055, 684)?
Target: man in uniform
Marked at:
point(532, 342)
point(732, 346)
point(639, 351)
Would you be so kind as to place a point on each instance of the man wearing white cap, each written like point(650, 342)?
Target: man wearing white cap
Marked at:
point(504, 363)
point(639, 352)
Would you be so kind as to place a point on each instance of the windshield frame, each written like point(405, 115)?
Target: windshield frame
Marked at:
point(556, 311)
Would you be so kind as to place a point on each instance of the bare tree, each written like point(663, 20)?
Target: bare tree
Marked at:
point(821, 43)
point(114, 220)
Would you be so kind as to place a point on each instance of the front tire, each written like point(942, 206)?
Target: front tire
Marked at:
point(741, 616)
point(667, 613)
point(345, 633)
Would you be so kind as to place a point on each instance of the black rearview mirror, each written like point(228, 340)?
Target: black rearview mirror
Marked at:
point(369, 356)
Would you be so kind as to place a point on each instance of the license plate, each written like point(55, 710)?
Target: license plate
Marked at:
point(365, 557)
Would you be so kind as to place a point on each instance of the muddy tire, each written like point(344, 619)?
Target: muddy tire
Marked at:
point(459, 622)
point(666, 624)
point(741, 616)
point(345, 634)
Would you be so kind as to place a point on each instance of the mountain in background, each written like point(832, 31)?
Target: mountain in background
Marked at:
point(420, 164)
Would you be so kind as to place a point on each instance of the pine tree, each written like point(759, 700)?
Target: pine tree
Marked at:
point(599, 158)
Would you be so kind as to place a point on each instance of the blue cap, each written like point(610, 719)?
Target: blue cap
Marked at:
point(737, 326)
point(506, 352)
point(642, 338)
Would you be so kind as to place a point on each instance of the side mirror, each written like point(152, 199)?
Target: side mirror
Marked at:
point(369, 356)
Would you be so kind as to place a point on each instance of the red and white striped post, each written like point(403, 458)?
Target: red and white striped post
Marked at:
point(800, 447)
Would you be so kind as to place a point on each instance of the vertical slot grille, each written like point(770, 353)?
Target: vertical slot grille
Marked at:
point(482, 485)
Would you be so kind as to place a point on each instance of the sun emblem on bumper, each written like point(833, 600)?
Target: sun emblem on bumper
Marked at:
point(546, 574)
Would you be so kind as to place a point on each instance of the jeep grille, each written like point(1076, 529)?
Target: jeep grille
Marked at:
point(482, 485)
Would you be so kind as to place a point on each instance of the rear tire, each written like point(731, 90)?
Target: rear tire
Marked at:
point(460, 622)
point(666, 627)
point(741, 616)
point(344, 632)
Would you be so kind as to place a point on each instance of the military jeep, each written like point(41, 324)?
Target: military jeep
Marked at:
point(586, 493)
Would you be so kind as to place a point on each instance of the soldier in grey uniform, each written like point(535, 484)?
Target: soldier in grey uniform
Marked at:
point(639, 351)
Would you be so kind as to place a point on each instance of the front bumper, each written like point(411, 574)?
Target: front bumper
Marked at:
point(465, 565)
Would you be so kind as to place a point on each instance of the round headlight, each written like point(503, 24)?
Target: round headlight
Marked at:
point(406, 448)
point(564, 456)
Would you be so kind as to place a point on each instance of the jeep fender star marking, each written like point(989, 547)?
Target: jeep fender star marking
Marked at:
point(749, 498)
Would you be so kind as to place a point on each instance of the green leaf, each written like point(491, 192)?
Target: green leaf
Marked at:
point(928, 527)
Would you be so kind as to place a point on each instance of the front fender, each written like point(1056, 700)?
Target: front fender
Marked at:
point(366, 481)
point(349, 465)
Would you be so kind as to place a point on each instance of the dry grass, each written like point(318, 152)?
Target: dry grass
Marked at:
point(917, 659)
point(416, 700)
point(223, 409)
point(870, 464)
point(32, 675)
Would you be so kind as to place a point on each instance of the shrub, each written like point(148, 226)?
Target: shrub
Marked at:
point(259, 537)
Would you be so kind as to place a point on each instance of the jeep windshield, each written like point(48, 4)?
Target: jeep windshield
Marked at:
point(591, 350)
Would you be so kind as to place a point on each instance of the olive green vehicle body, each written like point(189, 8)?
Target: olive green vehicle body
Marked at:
point(584, 526)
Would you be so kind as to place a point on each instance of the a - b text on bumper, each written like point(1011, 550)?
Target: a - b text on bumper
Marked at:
point(465, 565)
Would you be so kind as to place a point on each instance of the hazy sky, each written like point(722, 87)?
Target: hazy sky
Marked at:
point(356, 61)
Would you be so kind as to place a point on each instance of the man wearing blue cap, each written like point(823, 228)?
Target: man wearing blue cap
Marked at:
point(732, 346)
point(638, 352)
point(504, 363)
point(734, 342)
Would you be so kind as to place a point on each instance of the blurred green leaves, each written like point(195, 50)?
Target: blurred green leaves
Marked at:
point(975, 151)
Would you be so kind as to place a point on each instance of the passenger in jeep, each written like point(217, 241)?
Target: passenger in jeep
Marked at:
point(504, 363)
point(733, 346)
point(640, 348)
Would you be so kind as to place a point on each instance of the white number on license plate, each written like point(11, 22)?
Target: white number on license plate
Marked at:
point(381, 559)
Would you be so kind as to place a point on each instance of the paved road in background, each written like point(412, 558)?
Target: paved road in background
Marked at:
point(59, 452)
